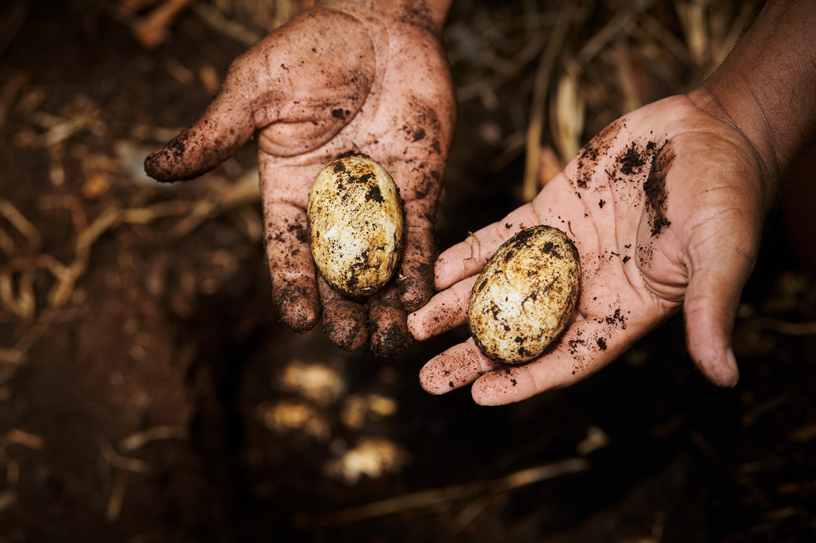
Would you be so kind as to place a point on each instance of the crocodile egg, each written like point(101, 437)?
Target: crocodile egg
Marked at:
point(355, 225)
point(525, 295)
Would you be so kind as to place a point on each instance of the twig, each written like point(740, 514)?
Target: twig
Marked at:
point(625, 75)
point(152, 30)
point(19, 221)
point(653, 27)
point(120, 462)
point(692, 17)
point(611, 29)
point(26, 439)
point(567, 112)
point(428, 498)
point(139, 439)
point(233, 30)
point(24, 304)
point(7, 243)
point(117, 498)
point(478, 244)
point(471, 512)
point(542, 82)
point(493, 82)
point(220, 199)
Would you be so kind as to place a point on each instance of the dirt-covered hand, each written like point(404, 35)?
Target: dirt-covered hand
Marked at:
point(665, 207)
point(339, 77)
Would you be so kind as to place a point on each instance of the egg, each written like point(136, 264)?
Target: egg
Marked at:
point(525, 294)
point(356, 225)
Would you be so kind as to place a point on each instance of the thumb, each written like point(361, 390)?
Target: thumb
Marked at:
point(713, 294)
point(217, 135)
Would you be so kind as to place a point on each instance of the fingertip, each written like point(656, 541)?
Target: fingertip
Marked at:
point(345, 326)
point(348, 336)
point(344, 321)
point(429, 379)
point(507, 384)
point(155, 166)
point(501, 386)
point(708, 340)
point(480, 392)
point(187, 156)
point(167, 164)
point(415, 292)
point(446, 310)
point(214, 137)
point(298, 303)
point(415, 281)
point(456, 367)
point(388, 325)
point(719, 366)
point(415, 326)
point(390, 339)
point(300, 320)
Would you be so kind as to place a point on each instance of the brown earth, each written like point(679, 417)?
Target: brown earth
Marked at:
point(158, 398)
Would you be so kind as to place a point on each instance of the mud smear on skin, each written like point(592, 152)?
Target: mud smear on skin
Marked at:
point(344, 327)
point(388, 327)
point(631, 160)
point(654, 189)
point(418, 279)
point(294, 303)
point(593, 151)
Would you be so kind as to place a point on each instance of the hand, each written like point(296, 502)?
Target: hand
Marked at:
point(665, 207)
point(338, 77)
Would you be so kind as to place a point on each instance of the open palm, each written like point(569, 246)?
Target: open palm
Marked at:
point(665, 207)
point(336, 78)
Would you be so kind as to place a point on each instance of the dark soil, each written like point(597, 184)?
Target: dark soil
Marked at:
point(178, 331)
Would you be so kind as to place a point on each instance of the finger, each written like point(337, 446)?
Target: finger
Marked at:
point(344, 321)
point(223, 129)
point(301, 85)
point(458, 366)
point(418, 174)
point(445, 311)
point(712, 298)
point(468, 257)
point(586, 347)
point(415, 279)
point(387, 322)
point(294, 284)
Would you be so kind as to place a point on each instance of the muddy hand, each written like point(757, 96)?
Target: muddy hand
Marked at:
point(338, 77)
point(665, 207)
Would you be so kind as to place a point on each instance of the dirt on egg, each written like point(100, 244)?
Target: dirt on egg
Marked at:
point(525, 295)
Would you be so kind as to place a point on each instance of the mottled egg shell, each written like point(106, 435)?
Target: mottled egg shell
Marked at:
point(525, 295)
point(355, 225)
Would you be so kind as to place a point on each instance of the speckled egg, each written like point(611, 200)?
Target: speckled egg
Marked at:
point(525, 295)
point(355, 225)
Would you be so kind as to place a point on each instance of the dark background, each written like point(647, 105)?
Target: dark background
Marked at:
point(149, 393)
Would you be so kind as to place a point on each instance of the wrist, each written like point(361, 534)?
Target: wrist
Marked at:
point(737, 113)
point(764, 89)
